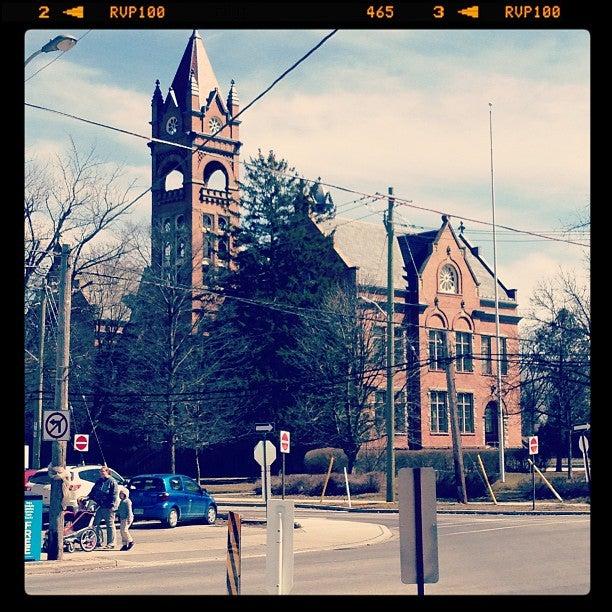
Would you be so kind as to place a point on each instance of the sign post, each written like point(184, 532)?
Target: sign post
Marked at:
point(285, 446)
point(279, 542)
point(583, 443)
point(265, 428)
point(533, 450)
point(81, 444)
point(418, 527)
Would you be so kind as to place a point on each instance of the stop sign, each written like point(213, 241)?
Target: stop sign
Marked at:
point(533, 445)
point(81, 442)
point(285, 441)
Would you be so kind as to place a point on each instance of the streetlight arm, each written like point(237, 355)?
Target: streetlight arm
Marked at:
point(32, 57)
point(365, 299)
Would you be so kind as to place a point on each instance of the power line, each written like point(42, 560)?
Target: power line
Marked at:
point(286, 308)
point(401, 201)
point(207, 139)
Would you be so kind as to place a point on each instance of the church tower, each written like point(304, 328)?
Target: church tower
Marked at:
point(194, 174)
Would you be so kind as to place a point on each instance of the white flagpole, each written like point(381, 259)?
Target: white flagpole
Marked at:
point(500, 412)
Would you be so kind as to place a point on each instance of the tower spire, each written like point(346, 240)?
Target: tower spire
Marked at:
point(194, 60)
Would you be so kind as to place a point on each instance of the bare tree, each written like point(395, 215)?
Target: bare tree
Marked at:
point(342, 362)
point(74, 198)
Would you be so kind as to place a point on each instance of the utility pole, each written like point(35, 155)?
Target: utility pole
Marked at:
point(56, 514)
point(390, 411)
point(41, 360)
point(454, 419)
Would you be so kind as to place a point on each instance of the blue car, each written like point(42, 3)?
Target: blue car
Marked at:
point(170, 498)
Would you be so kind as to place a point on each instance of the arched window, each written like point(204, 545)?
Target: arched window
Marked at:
point(181, 249)
point(223, 223)
point(174, 180)
point(448, 281)
point(215, 176)
point(167, 225)
point(180, 222)
point(207, 221)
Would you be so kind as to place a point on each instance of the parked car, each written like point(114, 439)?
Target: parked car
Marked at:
point(82, 479)
point(26, 476)
point(170, 498)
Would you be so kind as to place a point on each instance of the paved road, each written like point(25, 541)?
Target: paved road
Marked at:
point(494, 555)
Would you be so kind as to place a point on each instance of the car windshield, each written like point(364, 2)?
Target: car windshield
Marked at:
point(147, 484)
point(40, 478)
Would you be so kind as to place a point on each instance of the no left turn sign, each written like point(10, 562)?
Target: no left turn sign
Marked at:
point(56, 425)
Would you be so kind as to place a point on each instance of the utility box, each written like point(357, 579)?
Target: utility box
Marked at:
point(32, 514)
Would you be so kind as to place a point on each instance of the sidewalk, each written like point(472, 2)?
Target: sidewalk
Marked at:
point(313, 534)
point(370, 505)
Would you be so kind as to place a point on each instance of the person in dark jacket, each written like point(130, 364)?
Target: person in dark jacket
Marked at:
point(105, 493)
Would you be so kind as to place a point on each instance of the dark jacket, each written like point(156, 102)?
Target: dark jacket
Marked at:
point(105, 493)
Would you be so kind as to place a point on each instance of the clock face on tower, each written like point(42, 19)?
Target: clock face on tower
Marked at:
point(213, 125)
point(172, 126)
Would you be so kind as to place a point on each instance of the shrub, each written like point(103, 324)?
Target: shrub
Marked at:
point(312, 484)
point(317, 461)
point(567, 489)
point(441, 460)
point(370, 460)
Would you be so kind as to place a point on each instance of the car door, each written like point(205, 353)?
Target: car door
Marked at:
point(179, 496)
point(197, 501)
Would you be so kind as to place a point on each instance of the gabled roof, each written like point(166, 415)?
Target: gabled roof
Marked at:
point(194, 58)
point(485, 275)
point(364, 246)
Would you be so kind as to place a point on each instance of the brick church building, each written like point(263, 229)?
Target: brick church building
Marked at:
point(442, 285)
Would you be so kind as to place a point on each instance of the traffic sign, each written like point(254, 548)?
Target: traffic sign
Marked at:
point(56, 425)
point(584, 427)
point(270, 452)
point(533, 445)
point(265, 427)
point(285, 441)
point(416, 493)
point(81, 442)
point(583, 444)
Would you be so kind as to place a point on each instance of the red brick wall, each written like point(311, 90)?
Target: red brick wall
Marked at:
point(454, 312)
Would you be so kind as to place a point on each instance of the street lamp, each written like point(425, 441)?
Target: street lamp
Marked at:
point(61, 43)
point(390, 397)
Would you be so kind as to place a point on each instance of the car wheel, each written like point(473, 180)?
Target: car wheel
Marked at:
point(211, 515)
point(172, 518)
point(88, 539)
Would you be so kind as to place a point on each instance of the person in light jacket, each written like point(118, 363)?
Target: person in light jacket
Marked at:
point(126, 518)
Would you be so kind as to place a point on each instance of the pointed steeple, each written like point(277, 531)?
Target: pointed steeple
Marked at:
point(194, 59)
point(157, 95)
point(232, 99)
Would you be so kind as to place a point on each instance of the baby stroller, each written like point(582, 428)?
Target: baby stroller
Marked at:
point(78, 528)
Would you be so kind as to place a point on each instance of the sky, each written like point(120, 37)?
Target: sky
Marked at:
point(368, 110)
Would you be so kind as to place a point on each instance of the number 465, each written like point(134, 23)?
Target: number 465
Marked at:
point(382, 12)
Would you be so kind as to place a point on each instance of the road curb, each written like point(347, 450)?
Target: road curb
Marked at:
point(441, 511)
point(49, 567)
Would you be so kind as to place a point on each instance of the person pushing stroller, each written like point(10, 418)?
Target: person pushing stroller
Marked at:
point(105, 493)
